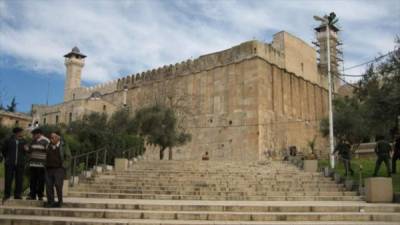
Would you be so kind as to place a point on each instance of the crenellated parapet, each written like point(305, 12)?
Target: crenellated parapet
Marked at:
point(103, 88)
point(235, 54)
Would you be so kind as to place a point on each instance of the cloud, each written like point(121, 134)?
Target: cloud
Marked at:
point(121, 37)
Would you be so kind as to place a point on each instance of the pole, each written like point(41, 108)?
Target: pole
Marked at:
point(331, 143)
point(73, 172)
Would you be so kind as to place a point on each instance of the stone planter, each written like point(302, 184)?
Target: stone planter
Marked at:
point(310, 165)
point(379, 189)
point(121, 164)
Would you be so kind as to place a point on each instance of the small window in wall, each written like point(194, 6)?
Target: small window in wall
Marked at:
point(16, 122)
point(104, 108)
point(56, 119)
point(44, 121)
point(70, 117)
point(73, 96)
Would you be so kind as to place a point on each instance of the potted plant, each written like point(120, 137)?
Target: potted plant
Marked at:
point(310, 159)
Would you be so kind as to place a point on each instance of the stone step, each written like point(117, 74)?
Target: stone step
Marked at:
point(228, 182)
point(215, 179)
point(212, 197)
point(220, 193)
point(213, 173)
point(202, 189)
point(182, 187)
point(230, 206)
point(201, 215)
point(48, 220)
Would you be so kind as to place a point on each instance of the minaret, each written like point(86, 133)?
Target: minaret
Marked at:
point(335, 54)
point(74, 62)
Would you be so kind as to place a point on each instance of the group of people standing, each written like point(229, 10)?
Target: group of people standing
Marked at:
point(46, 160)
point(384, 151)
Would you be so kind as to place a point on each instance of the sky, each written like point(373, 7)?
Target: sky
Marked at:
point(126, 36)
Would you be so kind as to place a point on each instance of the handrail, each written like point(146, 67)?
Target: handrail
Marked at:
point(360, 177)
point(129, 151)
point(83, 154)
point(98, 152)
point(87, 154)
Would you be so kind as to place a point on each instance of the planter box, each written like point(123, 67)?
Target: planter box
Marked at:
point(121, 164)
point(379, 189)
point(310, 165)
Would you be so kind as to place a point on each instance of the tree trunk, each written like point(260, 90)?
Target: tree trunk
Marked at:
point(169, 154)
point(162, 153)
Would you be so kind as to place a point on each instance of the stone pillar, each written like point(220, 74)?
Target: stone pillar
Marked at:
point(311, 166)
point(379, 189)
point(121, 164)
point(65, 188)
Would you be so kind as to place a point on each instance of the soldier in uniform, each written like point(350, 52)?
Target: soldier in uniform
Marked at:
point(383, 150)
point(344, 151)
point(396, 154)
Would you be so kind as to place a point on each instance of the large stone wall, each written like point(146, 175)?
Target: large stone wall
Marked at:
point(243, 108)
point(236, 103)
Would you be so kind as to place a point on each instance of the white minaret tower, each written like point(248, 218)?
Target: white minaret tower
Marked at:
point(74, 62)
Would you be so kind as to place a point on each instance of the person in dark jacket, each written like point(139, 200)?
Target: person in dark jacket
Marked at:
point(344, 150)
point(13, 152)
point(57, 161)
point(37, 160)
point(383, 150)
point(396, 154)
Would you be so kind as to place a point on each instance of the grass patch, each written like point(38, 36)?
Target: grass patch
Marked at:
point(368, 166)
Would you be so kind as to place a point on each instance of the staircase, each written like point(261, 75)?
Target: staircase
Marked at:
point(205, 192)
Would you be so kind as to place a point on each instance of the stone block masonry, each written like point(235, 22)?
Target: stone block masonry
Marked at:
point(236, 103)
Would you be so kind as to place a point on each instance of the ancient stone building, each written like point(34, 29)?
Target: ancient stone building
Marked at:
point(236, 103)
point(15, 119)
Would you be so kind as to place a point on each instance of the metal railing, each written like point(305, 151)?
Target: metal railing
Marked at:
point(129, 153)
point(298, 161)
point(75, 160)
point(347, 172)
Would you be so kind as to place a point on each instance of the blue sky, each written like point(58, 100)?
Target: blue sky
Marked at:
point(125, 37)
